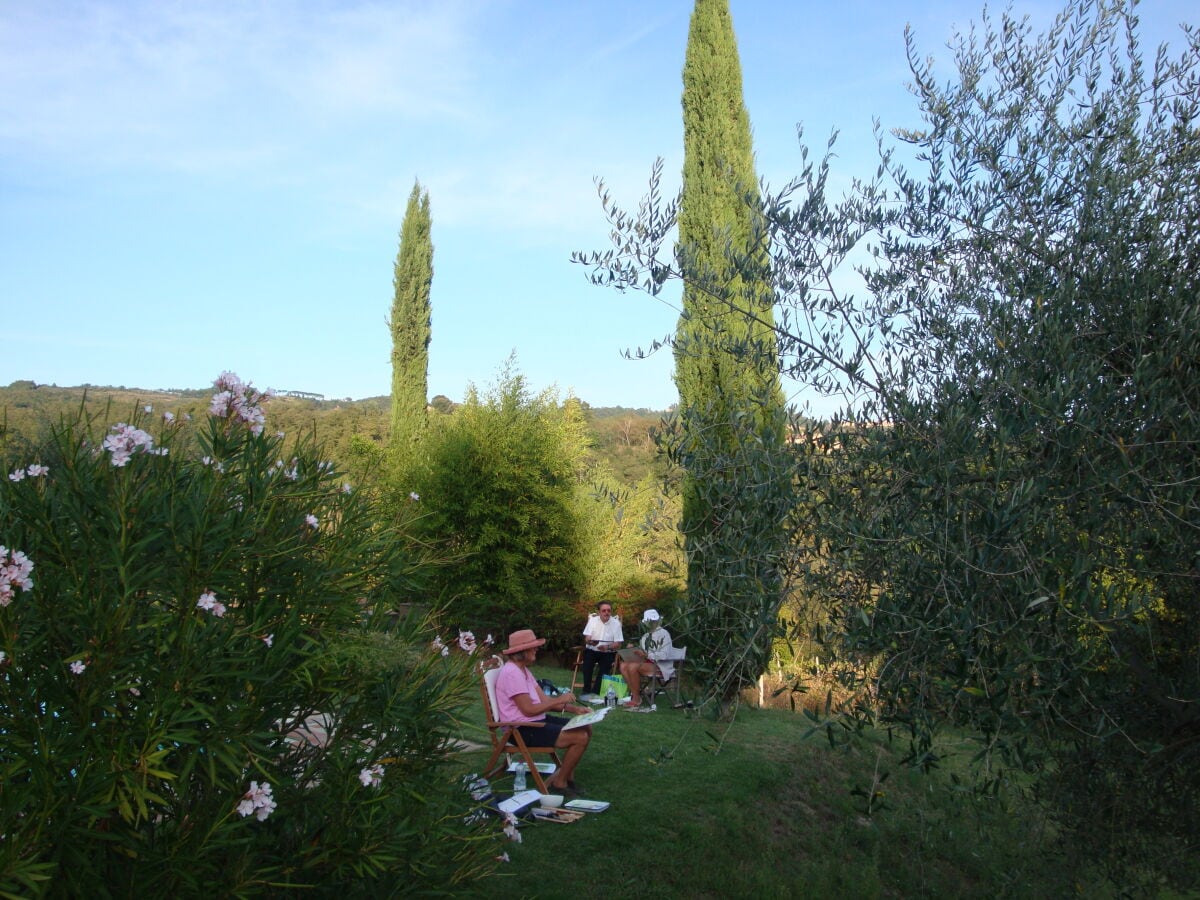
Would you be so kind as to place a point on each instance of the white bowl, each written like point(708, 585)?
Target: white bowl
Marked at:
point(551, 801)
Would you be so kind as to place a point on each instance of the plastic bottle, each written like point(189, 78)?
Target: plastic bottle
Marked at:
point(610, 699)
point(519, 778)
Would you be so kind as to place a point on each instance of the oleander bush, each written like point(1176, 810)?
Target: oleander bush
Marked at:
point(200, 687)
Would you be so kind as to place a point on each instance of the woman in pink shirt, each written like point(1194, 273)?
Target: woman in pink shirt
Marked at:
point(521, 700)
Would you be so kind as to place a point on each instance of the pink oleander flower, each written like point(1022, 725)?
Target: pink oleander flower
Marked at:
point(77, 667)
point(208, 601)
point(488, 641)
point(269, 640)
point(15, 568)
point(510, 828)
point(238, 402)
point(168, 417)
point(17, 475)
point(311, 521)
point(371, 776)
point(466, 640)
point(503, 857)
point(440, 646)
point(148, 408)
point(414, 497)
point(125, 441)
point(346, 489)
point(257, 800)
point(37, 471)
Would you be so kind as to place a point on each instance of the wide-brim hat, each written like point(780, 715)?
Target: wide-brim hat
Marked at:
point(524, 639)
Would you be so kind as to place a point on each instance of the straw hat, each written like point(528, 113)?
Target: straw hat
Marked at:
point(524, 639)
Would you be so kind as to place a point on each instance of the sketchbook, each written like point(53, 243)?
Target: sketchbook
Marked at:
point(629, 654)
point(588, 718)
point(579, 804)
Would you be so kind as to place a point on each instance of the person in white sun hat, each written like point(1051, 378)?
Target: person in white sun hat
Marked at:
point(655, 644)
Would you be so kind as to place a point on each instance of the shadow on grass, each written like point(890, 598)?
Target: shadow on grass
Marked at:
point(705, 809)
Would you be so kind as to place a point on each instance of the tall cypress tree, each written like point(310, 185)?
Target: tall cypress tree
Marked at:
point(731, 408)
point(410, 323)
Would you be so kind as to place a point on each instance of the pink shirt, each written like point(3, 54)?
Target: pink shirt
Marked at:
point(511, 681)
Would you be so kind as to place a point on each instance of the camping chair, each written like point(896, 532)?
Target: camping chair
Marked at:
point(653, 686)
point(505, 737)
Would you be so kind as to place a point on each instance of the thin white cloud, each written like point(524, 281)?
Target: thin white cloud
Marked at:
point(176, 85)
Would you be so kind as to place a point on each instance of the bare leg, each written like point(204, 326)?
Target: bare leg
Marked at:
point(573, 743)
point(633, 673)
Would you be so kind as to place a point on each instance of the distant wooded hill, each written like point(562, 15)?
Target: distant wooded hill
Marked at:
point(622, 437)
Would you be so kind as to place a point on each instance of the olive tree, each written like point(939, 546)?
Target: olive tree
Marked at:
point(1002, 522)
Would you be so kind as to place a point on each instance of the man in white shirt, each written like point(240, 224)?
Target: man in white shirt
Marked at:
point(601, 638)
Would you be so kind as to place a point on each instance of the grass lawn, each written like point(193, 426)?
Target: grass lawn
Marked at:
point(701, 809)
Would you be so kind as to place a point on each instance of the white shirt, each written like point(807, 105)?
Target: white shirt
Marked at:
point(656, 643)
point(603, 632)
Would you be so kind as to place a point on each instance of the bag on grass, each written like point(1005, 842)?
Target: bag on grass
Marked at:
point(620, 688)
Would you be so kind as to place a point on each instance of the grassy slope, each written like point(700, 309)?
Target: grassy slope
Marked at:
point(752, 810)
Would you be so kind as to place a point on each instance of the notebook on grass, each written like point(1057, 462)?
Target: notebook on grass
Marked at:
point(579, 804)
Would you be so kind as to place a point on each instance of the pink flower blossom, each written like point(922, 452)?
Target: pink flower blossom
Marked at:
point(510, 828)
point(15, 568)
point(346, 489)
point(168, 417)
point(414, 497)
point(257, 800)
point(208, 601)
point(148, 408)
point(17, 475)
point(269, 640)
point(125, 441)
point(37, 471)
point(238, 402)
point(466, 640)
point(310, 520)
point(503, 857)
point(77, 667)
point(371, 776)
point(440, 646)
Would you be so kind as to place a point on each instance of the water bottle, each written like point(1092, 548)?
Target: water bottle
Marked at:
point(610, 699)
point(519, 778)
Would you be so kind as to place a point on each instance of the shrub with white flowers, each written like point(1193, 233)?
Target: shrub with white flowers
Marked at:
point(202, 693)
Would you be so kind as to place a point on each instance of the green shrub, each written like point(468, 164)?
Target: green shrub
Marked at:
point(189, 629)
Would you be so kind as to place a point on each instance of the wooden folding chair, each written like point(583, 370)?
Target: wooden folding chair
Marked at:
point(505, 737)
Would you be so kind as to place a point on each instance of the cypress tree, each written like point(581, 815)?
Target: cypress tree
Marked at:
point(731, 409)
point(410, 323)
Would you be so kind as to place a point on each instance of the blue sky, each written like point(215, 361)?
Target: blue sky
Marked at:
point(189, 187)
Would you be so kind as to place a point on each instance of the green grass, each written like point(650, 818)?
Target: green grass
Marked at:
point(702, 809)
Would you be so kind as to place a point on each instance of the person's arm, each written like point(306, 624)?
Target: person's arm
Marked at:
point(589, 633)
point(544, 704)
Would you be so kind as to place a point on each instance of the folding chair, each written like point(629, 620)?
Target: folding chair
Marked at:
point(578, 651)
point(654, 685)
point(505, 737)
